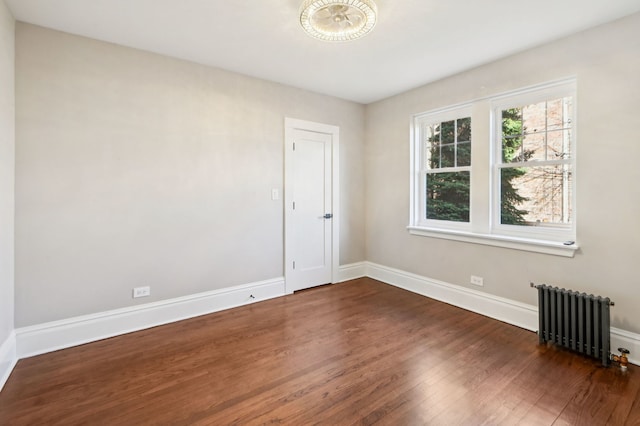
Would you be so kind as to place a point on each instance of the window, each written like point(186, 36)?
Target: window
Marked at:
point(533, 164)
point(443, 154)
point(521, 193)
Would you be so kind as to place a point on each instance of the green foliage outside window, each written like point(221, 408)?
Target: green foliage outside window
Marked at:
point(448, 192)
point(449, 145)
point(512, 151)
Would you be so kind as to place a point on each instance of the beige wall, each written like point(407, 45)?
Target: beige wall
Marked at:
point(7, 151)
point(606, 62)
point(137, 169)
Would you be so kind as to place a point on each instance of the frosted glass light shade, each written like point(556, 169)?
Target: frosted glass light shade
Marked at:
point(338, 20)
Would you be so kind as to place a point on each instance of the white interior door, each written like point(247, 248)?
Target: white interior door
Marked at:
point(309, 205)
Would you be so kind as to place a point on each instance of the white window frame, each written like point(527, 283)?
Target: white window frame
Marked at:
point(558, 234)
point(483, 228)
point(420, 171)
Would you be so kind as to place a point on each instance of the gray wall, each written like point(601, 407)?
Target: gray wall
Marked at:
point(7, 150)
point(137, 169)
point(606, 61)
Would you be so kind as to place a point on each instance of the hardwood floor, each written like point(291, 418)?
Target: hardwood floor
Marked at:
point(359, 352)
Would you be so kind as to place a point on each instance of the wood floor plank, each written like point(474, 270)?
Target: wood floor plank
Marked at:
point(360, 352)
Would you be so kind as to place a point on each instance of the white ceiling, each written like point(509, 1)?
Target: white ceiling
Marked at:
point(414, 42)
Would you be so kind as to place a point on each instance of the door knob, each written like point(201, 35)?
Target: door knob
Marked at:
point(328, 216)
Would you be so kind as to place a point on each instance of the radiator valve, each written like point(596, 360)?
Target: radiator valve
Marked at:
point(622, 358)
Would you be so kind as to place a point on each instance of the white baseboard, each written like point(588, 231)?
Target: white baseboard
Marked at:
point(506, 310)
point(8, 358)
point(47, 337)
point(625, 339)
point(352, 271)
point(51, 336)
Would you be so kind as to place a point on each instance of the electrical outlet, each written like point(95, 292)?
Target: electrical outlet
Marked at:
point(275, 194)
point(477, 281)
point(141, 292)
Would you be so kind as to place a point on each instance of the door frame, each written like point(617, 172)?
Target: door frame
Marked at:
point(290, 125)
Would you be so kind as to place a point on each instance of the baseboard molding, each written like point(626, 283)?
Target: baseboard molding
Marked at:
point(352, 271)
point(8, 358)
point(52, 336)
point(625, 339)
point(48, 337)
point(506, 310)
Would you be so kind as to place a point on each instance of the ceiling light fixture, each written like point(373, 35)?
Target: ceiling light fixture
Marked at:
point(338, 20)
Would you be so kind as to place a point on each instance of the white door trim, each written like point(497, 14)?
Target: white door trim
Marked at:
point(291, 124)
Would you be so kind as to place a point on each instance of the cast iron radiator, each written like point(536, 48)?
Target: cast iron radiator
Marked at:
point(574, 320)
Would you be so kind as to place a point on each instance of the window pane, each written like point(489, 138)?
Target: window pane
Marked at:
point(559, 145)
point(533, 148)
point(447, 156)
point(464, 154)
point(448, 196)
point(536, 195)
point(534, 117)
point(464, 129)
point(463, 145)
point(433, 135)
point(511, 134)
point(432, 148)
point(448, 131)
point(559, 113)
point(554, 114)
point(433, 157)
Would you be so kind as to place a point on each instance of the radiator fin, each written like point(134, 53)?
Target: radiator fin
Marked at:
point(574, 320)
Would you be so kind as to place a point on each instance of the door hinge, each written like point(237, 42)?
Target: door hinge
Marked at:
point(294, 146)
point(294, 264)
point(294, 205)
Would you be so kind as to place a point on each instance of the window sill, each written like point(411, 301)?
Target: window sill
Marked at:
point(525, 244)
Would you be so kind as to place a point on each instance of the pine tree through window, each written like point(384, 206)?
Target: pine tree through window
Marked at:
point(448, 149)
point(535, 168)
point(517, 190)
